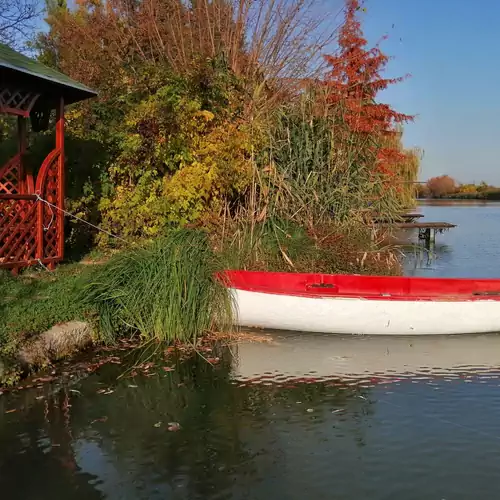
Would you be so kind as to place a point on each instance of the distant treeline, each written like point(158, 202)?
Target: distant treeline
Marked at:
point(446, 187)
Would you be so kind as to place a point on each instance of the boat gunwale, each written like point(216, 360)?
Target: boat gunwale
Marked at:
point(236, 280)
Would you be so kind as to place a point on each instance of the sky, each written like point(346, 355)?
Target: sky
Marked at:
point(451, 49)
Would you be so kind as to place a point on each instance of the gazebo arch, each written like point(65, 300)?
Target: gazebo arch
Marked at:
point(31, 230)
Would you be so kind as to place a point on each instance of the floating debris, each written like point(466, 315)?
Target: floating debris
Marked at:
point(102, 419)
point(105, 391)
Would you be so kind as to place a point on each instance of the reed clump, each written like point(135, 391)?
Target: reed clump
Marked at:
point(165, 291)
point(279, 244)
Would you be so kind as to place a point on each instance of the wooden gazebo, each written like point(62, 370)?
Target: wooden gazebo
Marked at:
point(31, 216)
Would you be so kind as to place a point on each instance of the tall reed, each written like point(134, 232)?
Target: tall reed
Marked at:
point(316, 171)
point(166, 291)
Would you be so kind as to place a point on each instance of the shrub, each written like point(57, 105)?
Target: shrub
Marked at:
point(166, 291)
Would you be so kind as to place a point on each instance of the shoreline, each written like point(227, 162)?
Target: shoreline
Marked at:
point(58, 343)
point(452, 201)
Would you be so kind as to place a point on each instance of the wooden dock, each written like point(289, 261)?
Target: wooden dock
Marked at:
point(423, 225)
point(400, 218)
point(426, 230)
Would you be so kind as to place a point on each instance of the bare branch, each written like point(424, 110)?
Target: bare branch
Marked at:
point(17, 20)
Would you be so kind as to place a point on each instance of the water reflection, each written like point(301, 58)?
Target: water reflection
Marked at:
point(37, 458)
point(289, 356)
point(327, 416)
point(116, 444)
point(418, 259)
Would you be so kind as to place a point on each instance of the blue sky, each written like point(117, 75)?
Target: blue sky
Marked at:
point(451, 49)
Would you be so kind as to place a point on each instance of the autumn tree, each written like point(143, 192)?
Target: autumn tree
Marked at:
point(355, 78)
point(441, 186)
point(422, 191)
point(369, 131)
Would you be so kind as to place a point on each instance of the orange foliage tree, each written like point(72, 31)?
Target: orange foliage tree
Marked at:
point(441, 186)
point(352, 85)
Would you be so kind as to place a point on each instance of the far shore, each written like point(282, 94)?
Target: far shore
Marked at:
point(455, 201)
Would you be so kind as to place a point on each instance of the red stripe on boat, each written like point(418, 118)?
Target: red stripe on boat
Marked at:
point(366, 287)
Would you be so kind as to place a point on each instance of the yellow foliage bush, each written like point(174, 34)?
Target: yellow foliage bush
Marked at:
point(221, 168)
point(177, 163)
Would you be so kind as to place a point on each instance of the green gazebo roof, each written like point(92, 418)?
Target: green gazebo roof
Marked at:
point(20, 71)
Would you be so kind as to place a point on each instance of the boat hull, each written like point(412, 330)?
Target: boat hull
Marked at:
point(354, 315)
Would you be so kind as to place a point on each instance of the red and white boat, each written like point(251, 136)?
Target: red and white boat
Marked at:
point(370, 305)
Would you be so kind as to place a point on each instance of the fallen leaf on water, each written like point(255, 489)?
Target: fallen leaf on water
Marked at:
point(11, 411)
point(40, 397)
point(168, 369)
point(102, 419)
point(309, 410)
point(132, 386)
point(158, 424)
point(105, 391)
point(43, 379)
point(174, 426)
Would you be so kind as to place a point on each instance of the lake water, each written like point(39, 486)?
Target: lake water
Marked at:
point(284, 416)
point(471, 250)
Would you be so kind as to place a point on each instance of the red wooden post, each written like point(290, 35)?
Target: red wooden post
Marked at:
point(39, 230)
point(21, 138)
point(60, 177)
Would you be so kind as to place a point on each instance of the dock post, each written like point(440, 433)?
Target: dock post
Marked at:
point(424, 233)
point(432, 236)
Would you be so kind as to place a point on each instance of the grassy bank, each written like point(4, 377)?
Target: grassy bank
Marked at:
point(36, 300)
point(166, 290)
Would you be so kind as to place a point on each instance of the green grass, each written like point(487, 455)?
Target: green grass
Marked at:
point(165, 291)
point(37, 300)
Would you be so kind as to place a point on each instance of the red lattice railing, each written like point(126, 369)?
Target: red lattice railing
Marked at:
point(17, 102)
point(48, 187)
point(10, 176)
point(31, 229)
point(18, 230)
